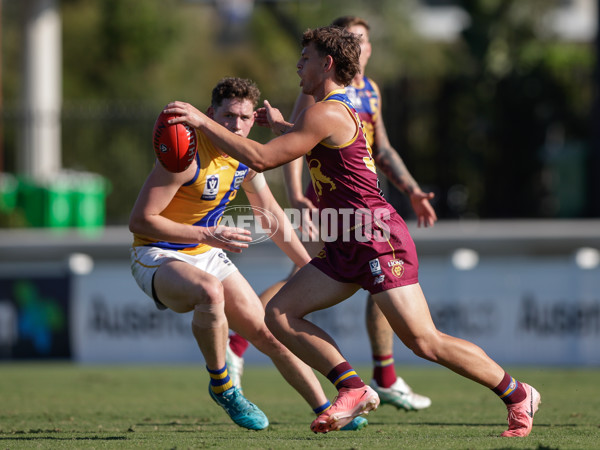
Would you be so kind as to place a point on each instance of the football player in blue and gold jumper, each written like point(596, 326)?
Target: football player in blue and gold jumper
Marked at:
point(178, 258)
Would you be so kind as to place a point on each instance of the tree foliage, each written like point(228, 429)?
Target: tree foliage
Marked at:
point(495, 122)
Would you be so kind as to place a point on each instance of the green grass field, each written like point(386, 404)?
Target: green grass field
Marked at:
point(70, 406)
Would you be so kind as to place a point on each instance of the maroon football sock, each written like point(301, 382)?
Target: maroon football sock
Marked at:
point(384, 372)
point(344, 376)
point(510, 390)
point(238, 344)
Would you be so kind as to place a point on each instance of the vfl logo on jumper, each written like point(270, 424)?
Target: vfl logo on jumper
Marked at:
point(261, 223)
point(239, 178)
point(375, 267)
point(211, 188)
point(397, 267)
point(318, 179)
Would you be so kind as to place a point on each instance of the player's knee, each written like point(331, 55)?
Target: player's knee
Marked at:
point(424, 347)
point(273, 318)
point(209, 315)
point(209, 292)
point(263, 340)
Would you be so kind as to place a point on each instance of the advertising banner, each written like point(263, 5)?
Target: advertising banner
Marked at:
point(34, 316)
point(114, 321)
point(520, 311)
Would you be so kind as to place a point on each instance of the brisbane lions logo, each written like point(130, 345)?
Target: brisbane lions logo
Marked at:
point(318, 179)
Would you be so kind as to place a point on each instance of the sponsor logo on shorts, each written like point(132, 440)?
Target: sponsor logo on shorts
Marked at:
point(375, 267)
point(379, 279)
point(225, 258)
point(397, 267)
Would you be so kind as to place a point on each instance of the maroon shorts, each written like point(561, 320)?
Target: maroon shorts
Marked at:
point(376, 265)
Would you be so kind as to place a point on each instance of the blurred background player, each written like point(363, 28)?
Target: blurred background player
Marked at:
point(366, 98)
point(177, 256)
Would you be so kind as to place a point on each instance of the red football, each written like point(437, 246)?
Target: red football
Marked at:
point(174, 145)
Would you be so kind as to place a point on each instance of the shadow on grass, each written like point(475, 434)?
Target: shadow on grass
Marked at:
point(57, 438)
point(465, 424)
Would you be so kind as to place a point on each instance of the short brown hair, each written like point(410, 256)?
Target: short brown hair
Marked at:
point(342, 46)
point(350, 21)
point(239, 88)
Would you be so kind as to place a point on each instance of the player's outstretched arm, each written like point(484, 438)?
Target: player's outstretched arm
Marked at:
point(260, 157)
point(391, 164)
point(292, 171)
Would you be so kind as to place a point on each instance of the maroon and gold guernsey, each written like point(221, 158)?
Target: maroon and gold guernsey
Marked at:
point(366, 240)
point(365, 99)
point(344, 177)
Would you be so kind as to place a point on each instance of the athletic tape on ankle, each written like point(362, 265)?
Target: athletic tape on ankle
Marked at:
point(210, 315)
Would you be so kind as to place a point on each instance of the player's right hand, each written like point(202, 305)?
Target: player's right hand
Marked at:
point(231, 239)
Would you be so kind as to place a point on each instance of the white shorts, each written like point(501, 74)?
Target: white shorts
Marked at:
point(145, 260)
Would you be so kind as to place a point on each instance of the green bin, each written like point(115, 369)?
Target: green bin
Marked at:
point(9, 187)
point(45, 203)
point(88, 201)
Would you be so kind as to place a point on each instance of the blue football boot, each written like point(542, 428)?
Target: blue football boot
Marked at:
point(242, 411)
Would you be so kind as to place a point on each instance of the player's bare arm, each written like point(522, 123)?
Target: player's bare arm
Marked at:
point(390, 163)
point(156, 194)
point(293, 184)
point(393, 167)
point(293, 170)
point(313, 126)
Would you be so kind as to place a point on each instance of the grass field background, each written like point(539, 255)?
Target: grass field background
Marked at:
point(71, 406)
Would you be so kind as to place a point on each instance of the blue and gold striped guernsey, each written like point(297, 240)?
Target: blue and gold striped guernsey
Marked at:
point(202, 200)
point(366, 99)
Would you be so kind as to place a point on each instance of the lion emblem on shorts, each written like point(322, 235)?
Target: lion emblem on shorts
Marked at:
point(318, 179)
point(397, 267)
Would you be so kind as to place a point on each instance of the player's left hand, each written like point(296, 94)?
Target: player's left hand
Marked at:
point(426, 215)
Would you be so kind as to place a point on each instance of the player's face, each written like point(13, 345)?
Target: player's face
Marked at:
point(234, 114)
point(310, 69)
point(365, 44)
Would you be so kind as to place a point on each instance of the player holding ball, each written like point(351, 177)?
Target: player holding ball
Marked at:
point(329, 134)
point(177, 255)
